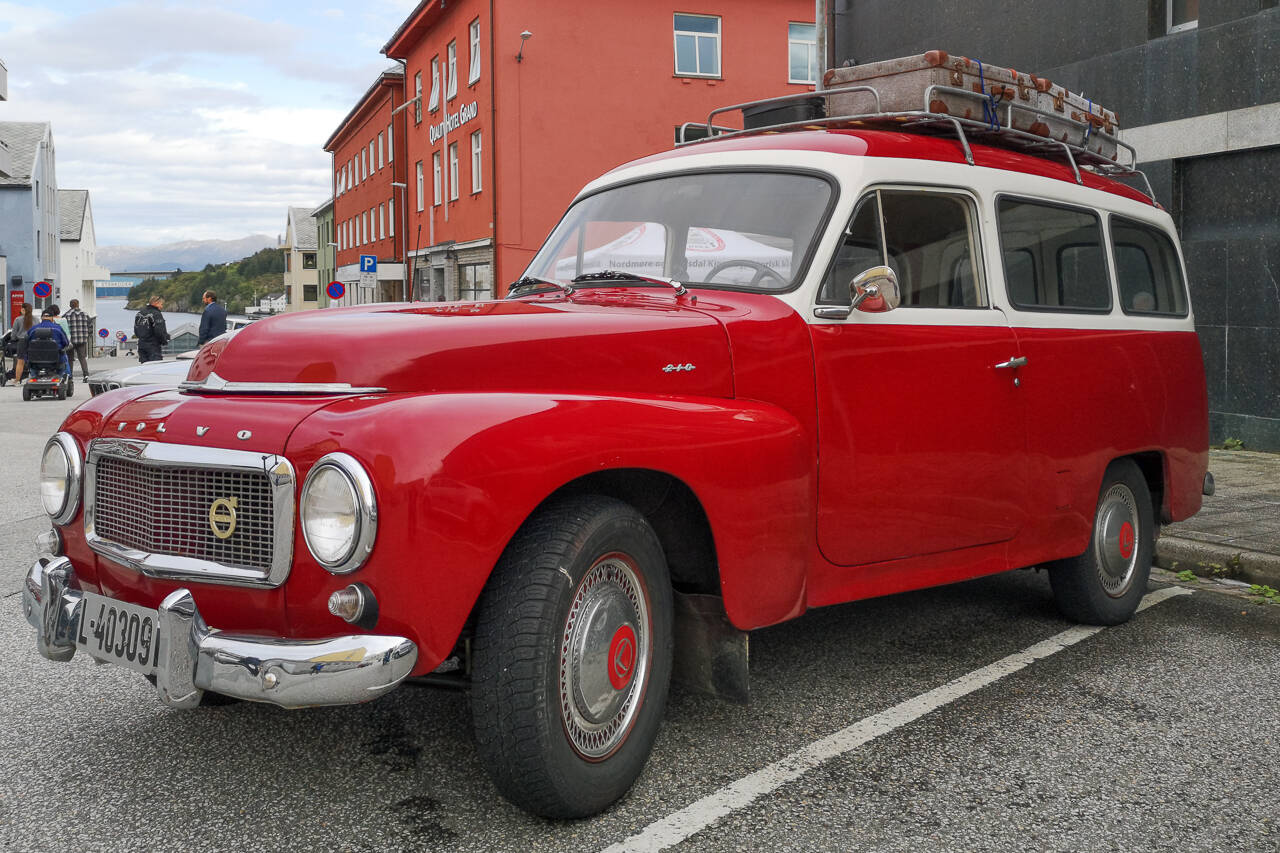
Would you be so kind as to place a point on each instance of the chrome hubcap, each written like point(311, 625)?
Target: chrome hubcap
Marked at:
point(1115, 540)
point(604, 657)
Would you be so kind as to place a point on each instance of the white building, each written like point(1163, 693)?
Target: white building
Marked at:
point(301, 276)
point(80, 270)
point(29, 222)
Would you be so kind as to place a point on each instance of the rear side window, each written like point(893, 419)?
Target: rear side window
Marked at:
point(1053, 257)
point(1147, 270)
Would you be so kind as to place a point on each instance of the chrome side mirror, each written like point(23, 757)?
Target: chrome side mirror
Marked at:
point(875, 290)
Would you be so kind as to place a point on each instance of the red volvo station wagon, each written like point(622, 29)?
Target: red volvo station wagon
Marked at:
point(751, 376)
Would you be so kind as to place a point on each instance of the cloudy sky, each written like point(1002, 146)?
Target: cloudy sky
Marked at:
point(192, 120)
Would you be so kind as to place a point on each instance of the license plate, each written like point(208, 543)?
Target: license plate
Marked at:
point(119, 632)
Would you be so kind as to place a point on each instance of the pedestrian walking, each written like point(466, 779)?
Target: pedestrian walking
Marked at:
point(80, 330)
point(149, 329)
point(21, 325)
point(213, 321)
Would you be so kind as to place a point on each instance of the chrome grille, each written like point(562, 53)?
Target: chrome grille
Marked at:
point(165, 510)
point(149, 506)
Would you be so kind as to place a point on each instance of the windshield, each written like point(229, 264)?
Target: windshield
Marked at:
point(727, 229)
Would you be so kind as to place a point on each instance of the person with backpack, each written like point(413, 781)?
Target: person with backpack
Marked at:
point(149, 329)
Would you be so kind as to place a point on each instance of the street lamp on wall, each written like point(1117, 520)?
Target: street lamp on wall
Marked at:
point(524, 37)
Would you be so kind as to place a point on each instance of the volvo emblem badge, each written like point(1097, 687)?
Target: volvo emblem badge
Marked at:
point(201, 430)
point(222, 517)
point(244, 435)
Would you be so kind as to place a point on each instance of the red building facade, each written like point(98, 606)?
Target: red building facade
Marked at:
point(368, 151)
point(521, 103)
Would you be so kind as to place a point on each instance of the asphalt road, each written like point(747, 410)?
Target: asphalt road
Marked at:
point(1162, 734)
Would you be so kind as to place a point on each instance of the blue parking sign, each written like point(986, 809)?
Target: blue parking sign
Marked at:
point(368, 263)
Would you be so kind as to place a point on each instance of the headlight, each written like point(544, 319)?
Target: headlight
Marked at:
point(60, 476)
point(339, 514)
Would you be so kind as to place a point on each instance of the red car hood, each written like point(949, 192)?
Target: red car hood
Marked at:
point(615, 342)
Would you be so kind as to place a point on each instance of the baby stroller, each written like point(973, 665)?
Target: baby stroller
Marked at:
point(8, 356)
point(47, 370)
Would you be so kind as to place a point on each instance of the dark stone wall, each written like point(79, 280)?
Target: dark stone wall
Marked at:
point(1227, 206)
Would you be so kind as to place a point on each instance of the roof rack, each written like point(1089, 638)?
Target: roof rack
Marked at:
point(1001, 135)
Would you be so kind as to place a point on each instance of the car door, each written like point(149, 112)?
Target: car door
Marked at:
point(922, 443)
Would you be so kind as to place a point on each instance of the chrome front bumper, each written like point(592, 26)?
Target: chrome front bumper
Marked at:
point(288, 673)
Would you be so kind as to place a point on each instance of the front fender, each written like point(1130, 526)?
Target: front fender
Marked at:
point(456, 474)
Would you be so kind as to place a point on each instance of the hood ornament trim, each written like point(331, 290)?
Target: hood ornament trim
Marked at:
point(215, 384)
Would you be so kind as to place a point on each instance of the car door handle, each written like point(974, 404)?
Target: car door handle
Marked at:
point(1013, 362)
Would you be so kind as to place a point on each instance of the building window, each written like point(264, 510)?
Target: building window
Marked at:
point(418, 166)
point(453, 171)
point(308, 260)
point(475, 282)
point(391, 145)
point(436, 192)
point(697, 45)
point(380, 160)
point(1181, 15)
point(476, 183)
point(451, 72)
point(474, 74)
point(370, 155)
point(417, 94)
point(382, 222)
point(434, 103)
point(368, 233)
point(802, 53)
point(310, 292)
point(391, 216)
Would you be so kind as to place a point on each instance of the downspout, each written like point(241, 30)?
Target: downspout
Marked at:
point(405, 277)
point(493, 145)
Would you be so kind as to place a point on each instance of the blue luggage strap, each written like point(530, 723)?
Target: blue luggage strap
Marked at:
point(990, 102)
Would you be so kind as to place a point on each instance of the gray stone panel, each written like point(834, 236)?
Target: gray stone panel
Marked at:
point(1169, 79)
point(1253, 267)
point(1231, 195)
point(1227, 67)
point(1214, 12)
point(1253, 371)
point(1256, 433)
point(1208, 279)
point(1213, 343)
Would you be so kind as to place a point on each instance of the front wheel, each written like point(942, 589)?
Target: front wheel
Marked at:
point(1105, 584)
point(572, 657)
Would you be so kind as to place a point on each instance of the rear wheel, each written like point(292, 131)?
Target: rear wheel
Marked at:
point(1105, 584)
point(572, 657)
point(71, 387)
point(26, 393)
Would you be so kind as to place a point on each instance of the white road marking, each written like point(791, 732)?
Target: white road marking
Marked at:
point(697, 816)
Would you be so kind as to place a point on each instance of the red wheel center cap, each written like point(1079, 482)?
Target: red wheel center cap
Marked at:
point(622, 657)
point(1127, 540)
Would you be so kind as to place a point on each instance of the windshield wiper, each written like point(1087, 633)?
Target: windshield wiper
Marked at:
point(532, 280)
point(618, 275)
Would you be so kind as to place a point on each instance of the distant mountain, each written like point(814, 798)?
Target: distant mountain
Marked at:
point(187, 255)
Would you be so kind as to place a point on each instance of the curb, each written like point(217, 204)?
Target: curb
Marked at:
point(1255, 567)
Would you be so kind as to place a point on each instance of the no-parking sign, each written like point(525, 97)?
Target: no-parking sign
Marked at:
point(336, 289)
point(121, 337)
point(42, 289)
point(102, 333)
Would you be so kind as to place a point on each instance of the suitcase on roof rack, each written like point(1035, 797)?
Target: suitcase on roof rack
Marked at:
point(965, 88)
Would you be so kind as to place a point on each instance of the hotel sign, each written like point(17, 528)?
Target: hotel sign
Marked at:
point(453, 121)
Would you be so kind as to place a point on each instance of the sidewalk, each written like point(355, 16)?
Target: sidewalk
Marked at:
point(1236, 534)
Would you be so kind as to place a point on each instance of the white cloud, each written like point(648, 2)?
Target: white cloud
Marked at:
point(190, 121)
